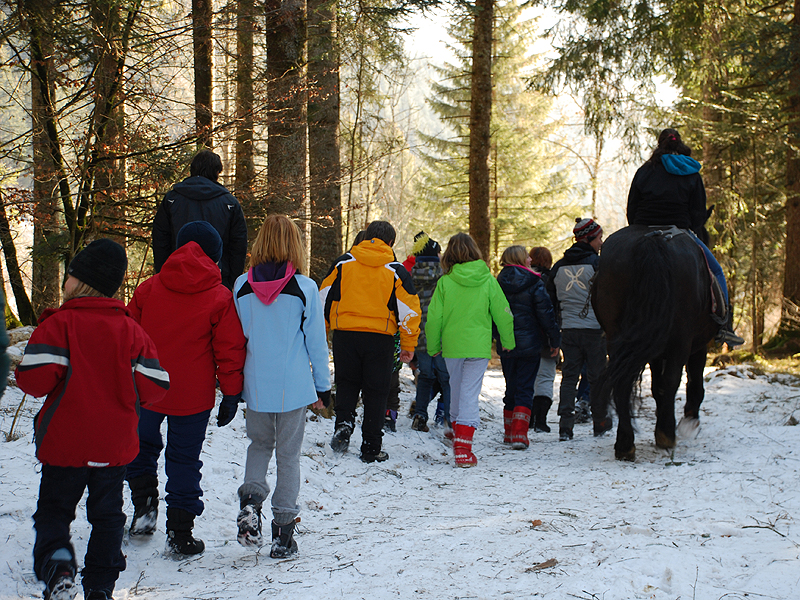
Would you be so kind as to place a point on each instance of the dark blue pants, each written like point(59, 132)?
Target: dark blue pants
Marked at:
point(431, 369)
point(520, 375)
point(714, 266)
point(60, 491)
point(185, 437)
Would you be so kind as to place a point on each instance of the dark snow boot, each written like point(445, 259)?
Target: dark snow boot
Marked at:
point(179, 533)
point(249, 522)
point(541, 405)
point(390, 420)
point(59, 576)
point(144, 495)
point(726, 335)
point(341, 437)
point(283, 544)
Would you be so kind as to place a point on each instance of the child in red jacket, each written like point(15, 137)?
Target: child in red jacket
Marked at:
point(81, 356)
point(191, 317)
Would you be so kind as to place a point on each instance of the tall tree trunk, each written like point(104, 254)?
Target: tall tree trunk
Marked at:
point(24, 307)
point(202, 13)
point(109, 197)
point(323, 138)
point(790, 314)
point(479, 125)
point(37, 18)
point(46, 252)
point(245, 163)
point(287, 139)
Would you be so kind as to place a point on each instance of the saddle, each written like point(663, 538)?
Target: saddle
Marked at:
point(719, 309)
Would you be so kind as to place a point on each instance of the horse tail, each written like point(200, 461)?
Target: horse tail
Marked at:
point(642, 334)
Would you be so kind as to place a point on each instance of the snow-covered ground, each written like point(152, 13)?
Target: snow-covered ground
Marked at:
point(719, 518)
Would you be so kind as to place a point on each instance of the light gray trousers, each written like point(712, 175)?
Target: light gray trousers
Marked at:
point(466, 380)
point(283, 433)
point(545, 377)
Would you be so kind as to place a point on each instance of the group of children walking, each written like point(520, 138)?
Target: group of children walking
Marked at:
point(112, 374)
point(184, 333)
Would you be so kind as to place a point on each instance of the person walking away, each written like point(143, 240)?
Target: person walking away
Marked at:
point(368, 296)
point(582, 338)
point(425, 274)
point(668, 190)
point(533, 315)
point(466, 302)
point(97, 366)
point(286, 370)
point(541, 261)
point(201, 197)
point(191, 317)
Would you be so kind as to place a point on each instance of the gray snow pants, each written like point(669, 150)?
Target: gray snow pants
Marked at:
point(283, 433)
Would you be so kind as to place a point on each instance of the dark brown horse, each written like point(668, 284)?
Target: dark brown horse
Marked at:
point(652, 296)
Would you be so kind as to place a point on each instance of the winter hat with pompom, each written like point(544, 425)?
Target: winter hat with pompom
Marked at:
point(425, 246)
point(586, 230)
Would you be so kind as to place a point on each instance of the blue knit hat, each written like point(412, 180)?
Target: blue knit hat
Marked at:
point(204, 235)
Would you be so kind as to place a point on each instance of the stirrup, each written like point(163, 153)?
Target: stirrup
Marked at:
point(726, 336)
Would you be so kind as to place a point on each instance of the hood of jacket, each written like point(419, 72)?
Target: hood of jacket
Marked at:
point(268, 279)
point(471, 274)
point(189, 270)
point(578, 252)
point(679, 164)
point(199, 188)
point(515, 278)
point(373, 253)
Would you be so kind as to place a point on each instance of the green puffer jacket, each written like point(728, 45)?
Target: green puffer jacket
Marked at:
point(462, 309)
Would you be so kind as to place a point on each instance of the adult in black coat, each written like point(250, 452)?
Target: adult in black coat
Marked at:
point(201, 198)
point(534, 327)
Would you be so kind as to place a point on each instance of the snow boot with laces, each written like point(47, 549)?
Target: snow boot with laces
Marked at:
point(179, 533)
point(283, 544)
point(249, 522)
point(144, 495)
point(59, 576)
point(341, 437)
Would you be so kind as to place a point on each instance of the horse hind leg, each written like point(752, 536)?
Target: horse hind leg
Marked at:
point(689, 425)
point(624, 448)
point(666, 379)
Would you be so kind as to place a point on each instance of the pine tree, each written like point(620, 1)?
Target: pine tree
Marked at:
point(528, 191)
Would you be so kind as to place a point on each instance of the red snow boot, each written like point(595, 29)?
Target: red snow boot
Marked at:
point(462, 445)
point(519, 427)
point(507, 420)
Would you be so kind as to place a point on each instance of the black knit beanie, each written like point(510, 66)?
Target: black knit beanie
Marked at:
point(101, 265)
point(204, 235)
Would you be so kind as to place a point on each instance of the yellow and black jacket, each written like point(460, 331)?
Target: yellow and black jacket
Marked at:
point(368, 290)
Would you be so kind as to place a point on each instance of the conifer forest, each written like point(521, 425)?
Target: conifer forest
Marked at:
point(537, 112)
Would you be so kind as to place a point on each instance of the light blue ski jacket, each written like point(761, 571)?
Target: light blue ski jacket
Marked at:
point(287, 348)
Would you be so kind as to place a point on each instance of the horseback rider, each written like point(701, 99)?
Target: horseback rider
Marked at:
point(668, 190)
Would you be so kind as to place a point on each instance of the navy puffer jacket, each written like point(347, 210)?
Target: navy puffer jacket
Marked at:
point(535, 323)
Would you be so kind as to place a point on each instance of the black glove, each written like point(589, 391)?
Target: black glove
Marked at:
point(325, 397)
point(227, 409)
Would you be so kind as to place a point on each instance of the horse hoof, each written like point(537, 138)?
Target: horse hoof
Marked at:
point(663, 441)
point(601, 426)
point(689, 427)
point(627, 455)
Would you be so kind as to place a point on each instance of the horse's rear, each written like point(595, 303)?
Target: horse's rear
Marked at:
point(652, 298)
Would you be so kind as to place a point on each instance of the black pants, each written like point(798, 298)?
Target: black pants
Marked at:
point(579, 346)
point(363, 362)
point(60, 491)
